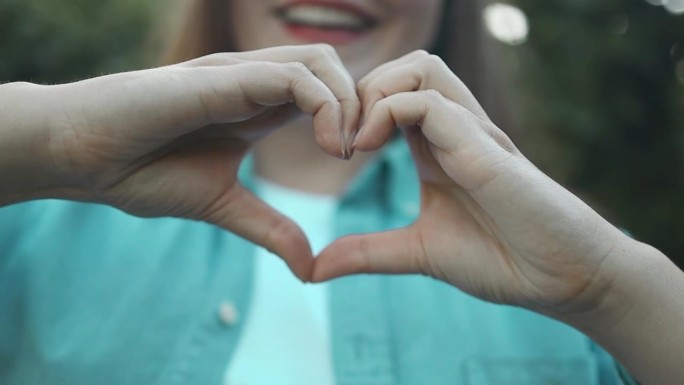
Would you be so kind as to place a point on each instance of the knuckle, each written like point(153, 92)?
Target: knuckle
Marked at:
point(325, 49)
point(323, 52)
point(432, 96)
point(432, 63)
point(383, 104)
point(420, 53)
point(298, 69)
point(366, 92)
point(296, 74)
point(434, 60)
point(363, 85)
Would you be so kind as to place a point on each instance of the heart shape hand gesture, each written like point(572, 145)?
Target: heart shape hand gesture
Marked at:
point(491, 223)
point(169, 141)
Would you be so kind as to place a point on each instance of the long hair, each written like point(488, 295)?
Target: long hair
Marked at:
point(462, 43)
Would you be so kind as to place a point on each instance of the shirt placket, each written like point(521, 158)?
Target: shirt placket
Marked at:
point(362, 348)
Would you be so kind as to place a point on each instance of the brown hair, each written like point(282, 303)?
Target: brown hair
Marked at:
point(462, 43)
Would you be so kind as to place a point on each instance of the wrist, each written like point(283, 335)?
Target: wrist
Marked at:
point(620, 288)
point(27, 168)
point(639, 319)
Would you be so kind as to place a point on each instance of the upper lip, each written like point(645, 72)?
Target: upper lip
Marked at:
point(358, 8)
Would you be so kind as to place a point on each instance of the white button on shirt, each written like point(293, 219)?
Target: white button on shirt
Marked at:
point(228, 314)
point(286, 337)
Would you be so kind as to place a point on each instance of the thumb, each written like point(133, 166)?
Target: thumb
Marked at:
point(242, 213)
point(390, 252)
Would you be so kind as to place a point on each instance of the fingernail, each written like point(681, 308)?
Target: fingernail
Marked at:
point(352, 141)
point(345, 155)
point(348, 150)
point(347, 141)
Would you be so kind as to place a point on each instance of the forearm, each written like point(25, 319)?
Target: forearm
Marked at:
point(641, 321)
point(26, 171)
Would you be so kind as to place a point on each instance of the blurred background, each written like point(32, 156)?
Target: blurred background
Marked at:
point(597, 88)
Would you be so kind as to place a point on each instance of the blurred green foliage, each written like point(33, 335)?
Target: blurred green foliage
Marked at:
point(596, 91)
point(603, 109)
point(48, 41)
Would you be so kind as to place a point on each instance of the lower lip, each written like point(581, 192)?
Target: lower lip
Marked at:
point(322, 35)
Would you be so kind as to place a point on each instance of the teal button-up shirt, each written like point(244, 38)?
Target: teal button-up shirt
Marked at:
point(91, 295)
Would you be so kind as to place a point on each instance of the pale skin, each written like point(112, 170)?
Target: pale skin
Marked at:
point(168, 141)
point(144, 141)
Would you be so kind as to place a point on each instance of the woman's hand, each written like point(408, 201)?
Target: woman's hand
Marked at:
point(169, 141)
point(495, 226)
point(491, 223)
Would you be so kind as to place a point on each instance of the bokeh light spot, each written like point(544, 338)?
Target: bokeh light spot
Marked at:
point(506, 23)
point(679, 71)
point(674, 6)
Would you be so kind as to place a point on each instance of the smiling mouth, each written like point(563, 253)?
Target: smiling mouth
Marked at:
point(327, 17)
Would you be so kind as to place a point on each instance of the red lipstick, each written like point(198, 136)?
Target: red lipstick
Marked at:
point(325, 21)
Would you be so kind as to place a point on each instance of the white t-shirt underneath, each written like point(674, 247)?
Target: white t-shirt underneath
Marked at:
point(286, 338)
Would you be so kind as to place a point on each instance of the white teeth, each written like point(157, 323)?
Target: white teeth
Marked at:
point(325, 17)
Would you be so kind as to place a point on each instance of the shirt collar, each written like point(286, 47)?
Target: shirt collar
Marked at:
point(390, 177)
